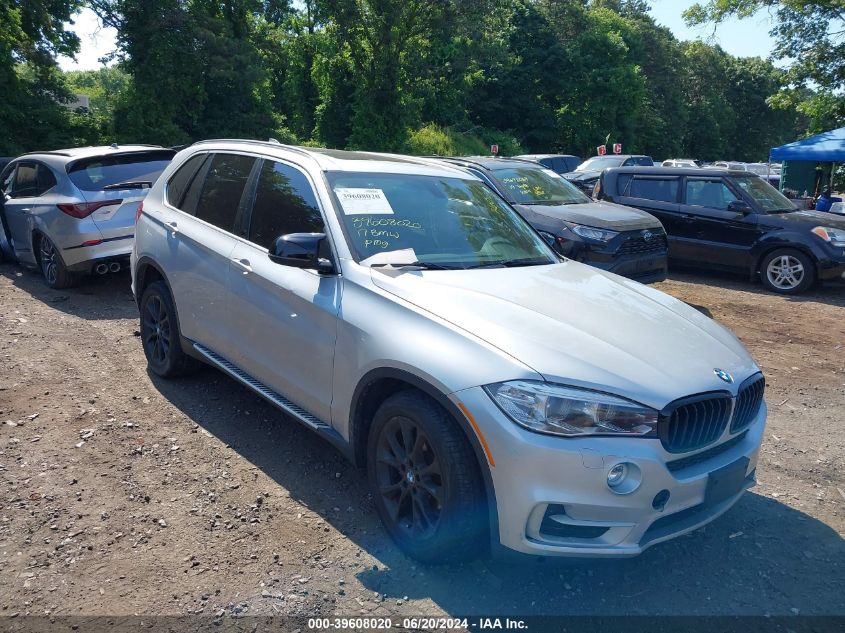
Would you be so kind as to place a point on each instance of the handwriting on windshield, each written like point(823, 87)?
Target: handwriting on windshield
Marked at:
point(381, 232)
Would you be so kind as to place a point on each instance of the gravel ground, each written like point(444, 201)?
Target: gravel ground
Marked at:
point(123, 494)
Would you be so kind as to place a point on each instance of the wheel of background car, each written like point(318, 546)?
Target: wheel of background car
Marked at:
point(56, 274)
point(787, 271)
point(160, 334)
point(425, 480)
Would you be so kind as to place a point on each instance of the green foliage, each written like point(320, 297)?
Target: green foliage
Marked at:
point(810, 38)
point(432, 139)
point(421, 76)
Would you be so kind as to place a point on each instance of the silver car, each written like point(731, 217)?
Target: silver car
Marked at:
point(495, 392)
point(72, 212)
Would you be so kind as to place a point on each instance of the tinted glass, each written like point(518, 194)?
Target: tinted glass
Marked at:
point(26, 181)
point(769, 199)
point(662, 189)
point(178, 185)
point(46, 179)
point(101, 172)
point(221, 193)
point(284, 203)
point(709, 193)
point(6, 180)
point(399, 218)
point(642, 161)
point(528, 185)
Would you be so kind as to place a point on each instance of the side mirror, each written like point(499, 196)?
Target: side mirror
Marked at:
point(300, 250)
point(738, 206)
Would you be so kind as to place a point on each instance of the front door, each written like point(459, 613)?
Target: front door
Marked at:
point(715, 234)
point(285, 317)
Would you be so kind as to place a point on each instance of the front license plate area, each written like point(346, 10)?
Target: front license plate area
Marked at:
point(647, 264)
point(726, 482)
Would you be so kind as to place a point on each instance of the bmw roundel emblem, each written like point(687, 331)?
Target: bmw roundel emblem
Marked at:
point(647, 235)
point(723, 375)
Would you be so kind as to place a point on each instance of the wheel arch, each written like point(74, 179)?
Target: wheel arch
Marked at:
point(147, 271)
point(378, 385)
point(767, 248)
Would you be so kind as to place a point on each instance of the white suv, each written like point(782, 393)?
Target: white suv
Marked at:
point(495, 392)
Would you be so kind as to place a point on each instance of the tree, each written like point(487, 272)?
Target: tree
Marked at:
point(32, 109)
point(810, 35)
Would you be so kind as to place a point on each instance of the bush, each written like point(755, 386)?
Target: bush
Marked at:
point(435, 140)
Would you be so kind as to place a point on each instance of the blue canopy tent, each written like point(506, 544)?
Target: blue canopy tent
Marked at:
point(827, 147)
point(801, 168)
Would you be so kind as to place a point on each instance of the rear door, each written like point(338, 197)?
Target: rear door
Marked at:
point(120, 180)
point(286, 318)
point(205, 198)
point(29, 182)
point(657, 195)
point(713, 235)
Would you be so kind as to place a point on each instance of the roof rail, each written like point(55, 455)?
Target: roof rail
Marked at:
point(271, 143)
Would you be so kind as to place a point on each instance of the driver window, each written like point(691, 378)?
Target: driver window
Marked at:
point(284, 203)
point(6, 183)
point(26, 181)
point(713, 194)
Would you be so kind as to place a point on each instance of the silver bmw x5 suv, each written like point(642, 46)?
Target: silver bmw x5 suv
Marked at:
point(495, 392)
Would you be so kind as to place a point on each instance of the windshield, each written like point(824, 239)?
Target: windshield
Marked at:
point(450, 222)
point(531, 185)
point(767, 197)
point(597, 163)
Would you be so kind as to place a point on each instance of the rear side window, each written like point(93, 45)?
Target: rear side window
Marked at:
point(222, 190)
point(660, 189)
point(178, 185)
point(46, 179)
point(134, 170)
point(284, 203)
point(713, 194)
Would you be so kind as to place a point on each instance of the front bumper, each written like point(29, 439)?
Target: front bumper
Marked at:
point(831, 267)
point(533, 472)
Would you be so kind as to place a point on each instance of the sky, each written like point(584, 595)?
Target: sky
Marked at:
point(743, 38)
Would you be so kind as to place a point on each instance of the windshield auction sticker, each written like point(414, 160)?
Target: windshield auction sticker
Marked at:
point(363, 201)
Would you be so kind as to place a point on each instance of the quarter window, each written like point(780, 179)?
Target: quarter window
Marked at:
point(284, 203)
point(26, 181)
point(223, 188)
point(661, 189)
point(713, 194)
point(178, 185)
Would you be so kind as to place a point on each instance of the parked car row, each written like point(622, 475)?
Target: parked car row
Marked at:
point(499, 395)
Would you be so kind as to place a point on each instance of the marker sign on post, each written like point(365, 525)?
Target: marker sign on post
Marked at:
point(617, 148)
point(494, 149)
point(363, 201)
point(601, 150)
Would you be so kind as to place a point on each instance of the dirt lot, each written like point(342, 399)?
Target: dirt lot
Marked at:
point(124, 494)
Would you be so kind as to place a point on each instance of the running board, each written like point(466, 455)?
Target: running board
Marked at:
point(268, 394)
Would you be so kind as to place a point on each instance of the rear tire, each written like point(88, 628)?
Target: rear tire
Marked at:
point(160, 336)
point(425, 480)
point(787, 271)
point(56, 275)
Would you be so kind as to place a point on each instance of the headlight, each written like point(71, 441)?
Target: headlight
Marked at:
point(561, 410)
point(588, 232)
point(836, 237)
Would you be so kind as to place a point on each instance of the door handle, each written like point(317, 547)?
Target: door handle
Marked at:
point(244, 264)
point(172, 226)
point(27, 210)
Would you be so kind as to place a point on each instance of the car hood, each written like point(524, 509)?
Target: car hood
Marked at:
point(602, 215)
point(590, 174)
point(814, 218)
point(577, 325)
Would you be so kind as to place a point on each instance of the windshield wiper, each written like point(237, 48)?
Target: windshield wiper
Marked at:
point(416, 264)
point(130, 184)
point(512, 263)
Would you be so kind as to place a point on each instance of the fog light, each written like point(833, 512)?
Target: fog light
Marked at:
point(617, 475)
point(624, 478)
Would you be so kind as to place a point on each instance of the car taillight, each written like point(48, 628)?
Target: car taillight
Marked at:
point(139, 212)
point(84, 209)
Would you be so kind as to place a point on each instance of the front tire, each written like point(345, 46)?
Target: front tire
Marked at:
point(56, 275)
point(787, 271)
point(425, 480)
point(160, 335)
